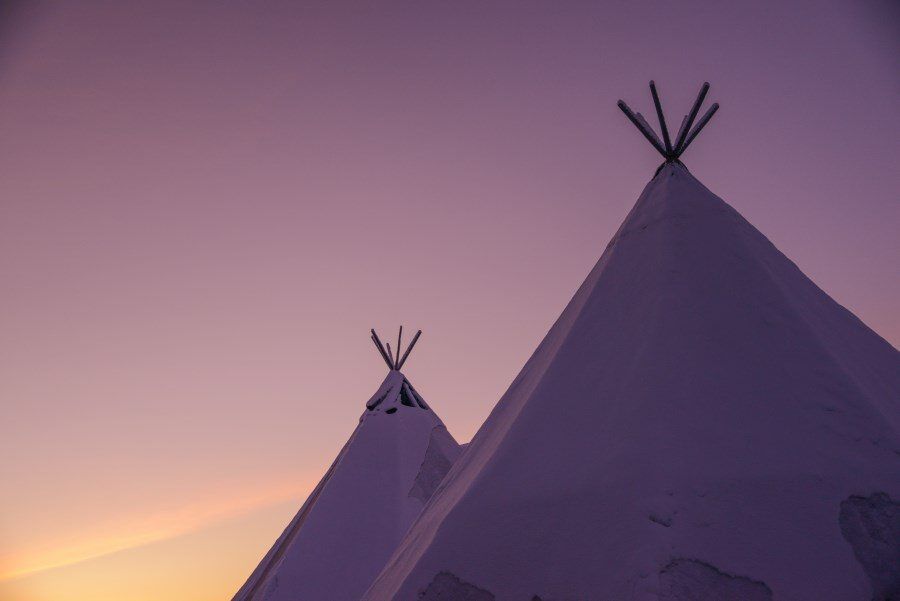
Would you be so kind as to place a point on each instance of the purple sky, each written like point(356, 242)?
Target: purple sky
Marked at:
point(207, 204)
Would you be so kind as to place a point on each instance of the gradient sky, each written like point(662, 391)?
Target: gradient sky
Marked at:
point(206, 205)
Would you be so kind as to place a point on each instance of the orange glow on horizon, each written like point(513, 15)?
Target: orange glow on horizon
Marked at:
point(207, 205)
point(137, 531)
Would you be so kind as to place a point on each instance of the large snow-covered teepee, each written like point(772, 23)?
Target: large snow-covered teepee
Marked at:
point(702, 423)
point(352, 521)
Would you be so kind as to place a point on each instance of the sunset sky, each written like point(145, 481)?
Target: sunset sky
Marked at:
point(206, 205)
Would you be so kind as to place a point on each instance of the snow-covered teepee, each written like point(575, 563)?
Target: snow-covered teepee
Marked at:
point(352, 521)
point(702, 423)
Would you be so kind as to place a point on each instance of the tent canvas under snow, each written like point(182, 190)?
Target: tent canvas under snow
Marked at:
point(701, 423)
point(352, 521)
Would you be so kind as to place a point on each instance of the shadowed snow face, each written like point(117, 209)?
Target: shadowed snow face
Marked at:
point(396, 393)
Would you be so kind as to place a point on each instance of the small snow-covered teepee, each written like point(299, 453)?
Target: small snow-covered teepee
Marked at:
point(702, 423)
point(379, 482)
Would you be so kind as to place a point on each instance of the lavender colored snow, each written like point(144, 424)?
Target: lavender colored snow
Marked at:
point(691, 425)
point(351, 523)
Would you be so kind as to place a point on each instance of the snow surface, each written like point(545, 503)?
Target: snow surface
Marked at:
point(348, 527)
point(693, 425)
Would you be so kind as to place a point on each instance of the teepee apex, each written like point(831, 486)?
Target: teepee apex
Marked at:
point(394, 360)
point(671, 153)
point(729, 432)
point(342, 536)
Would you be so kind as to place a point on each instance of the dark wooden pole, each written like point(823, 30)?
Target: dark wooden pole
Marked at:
point(662, 119)
point(381, 350)
point(700, 125)
point(408, 350)
point(651, 137)
point(650, 129)
point(399, 338)
point(681, 130)
point(679, 144)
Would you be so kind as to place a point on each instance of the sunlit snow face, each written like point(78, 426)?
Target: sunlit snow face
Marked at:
point(395, 394)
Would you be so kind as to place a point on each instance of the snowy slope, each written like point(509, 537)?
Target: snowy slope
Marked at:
point(353, 520)
point(701, 423)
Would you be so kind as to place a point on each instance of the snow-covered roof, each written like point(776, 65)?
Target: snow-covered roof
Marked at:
point(348, 527)
point(702, 422)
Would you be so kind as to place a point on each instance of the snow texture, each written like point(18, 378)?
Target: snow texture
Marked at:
point(348, 527)
point(690, 580)
point(442, 451)
point(872, 527)
point(698, 398)
point(447, 587)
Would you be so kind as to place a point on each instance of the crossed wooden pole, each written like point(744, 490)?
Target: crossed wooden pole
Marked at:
point(685, 135)
point(394, 361)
